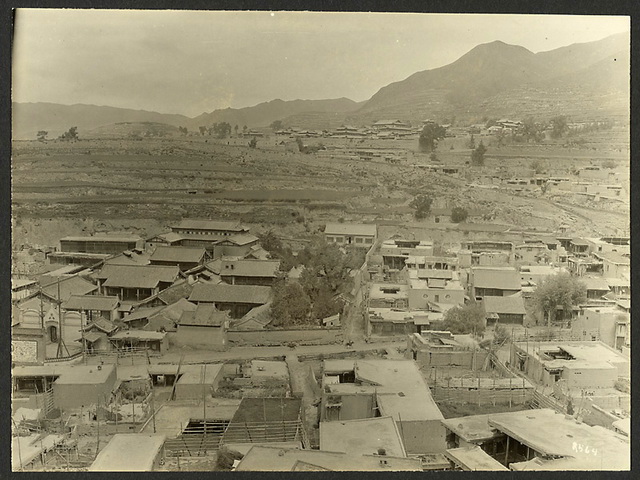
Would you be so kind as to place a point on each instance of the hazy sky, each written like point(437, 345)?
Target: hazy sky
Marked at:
point(191, 62)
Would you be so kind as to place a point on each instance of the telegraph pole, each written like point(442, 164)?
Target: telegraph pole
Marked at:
point(61, 343)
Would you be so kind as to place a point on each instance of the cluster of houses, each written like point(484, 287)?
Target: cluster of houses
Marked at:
point(411, 287)
point(120, 291)
point(193, 286)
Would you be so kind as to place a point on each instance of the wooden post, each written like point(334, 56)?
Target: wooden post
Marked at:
point(506, 454)
point(494, 392)
point(98, 420)
point(478, 391)
point(510, 394)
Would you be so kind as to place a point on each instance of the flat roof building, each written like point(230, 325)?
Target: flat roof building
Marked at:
point(538, 439)
point(130, 452)
point(355, 389)
point(365, 436)
point(359, 235)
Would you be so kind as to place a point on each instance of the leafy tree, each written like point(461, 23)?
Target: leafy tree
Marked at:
point(469, 318)
point(532, 131)
point(235, 129)
point(291, 305)
point(300, 144)
point(433, 157)
point(244, 129)
point(183, 130)
point(71, 134)
point(42, 135)
point(500, 334)
point(538, 167)
point(561, 290)
point(458, 214)
point(559, 126)
point(477, 155)
point(253, 143)
point(431, 133)
point(422, 206)
point(222, 129)
point(203, 130)
point(472, 142)
point(276, 125)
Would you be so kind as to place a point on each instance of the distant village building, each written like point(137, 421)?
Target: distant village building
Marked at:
point(493, 281)
point(135, 282)
point(351, 234)
point(184, 258)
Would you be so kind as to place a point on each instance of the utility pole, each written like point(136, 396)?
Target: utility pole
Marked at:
point(61, 343)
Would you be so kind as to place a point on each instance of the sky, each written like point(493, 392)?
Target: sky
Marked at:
point(190, 62)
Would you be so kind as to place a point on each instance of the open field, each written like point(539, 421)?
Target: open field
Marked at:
point(89, 186)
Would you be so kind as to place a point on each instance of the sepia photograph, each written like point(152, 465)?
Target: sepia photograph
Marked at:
point(319, 241)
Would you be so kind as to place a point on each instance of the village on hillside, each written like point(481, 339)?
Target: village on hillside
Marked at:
point(385, 290)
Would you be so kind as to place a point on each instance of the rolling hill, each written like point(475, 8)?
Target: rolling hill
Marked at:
point(587, 80)
point(497, 79)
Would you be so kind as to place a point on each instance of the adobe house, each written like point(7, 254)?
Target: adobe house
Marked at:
point(538, 439)
point(363, 388)
point(205, 327)
point(504, 309)
point(106, 244)
point(493, 282)
point(130, 452)
point(83, 385)
point(199, 381)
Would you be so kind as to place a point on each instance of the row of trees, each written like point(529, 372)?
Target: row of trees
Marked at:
point(561, 292)
point(317, 293)
point(432, 133)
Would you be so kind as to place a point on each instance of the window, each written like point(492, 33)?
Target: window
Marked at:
point(359, 240)
point(368, 240)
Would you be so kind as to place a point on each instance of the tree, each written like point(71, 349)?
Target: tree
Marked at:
point(532, 131)
point(433, 157)
point(235, 129)
point(559, 126)
point(183, 130)
point(477, 155)
point(538, 167)
point(42, 135)
point(244, 129)
point(422, 206)
point(71, 134)
point(253, 143)
point(222, 129)
point(472, 142)
point(291, 305)
point(458, 214)
point(469, 318)
point(558, 291)
point(203, 130)
point(276, 125)
point(431, 133)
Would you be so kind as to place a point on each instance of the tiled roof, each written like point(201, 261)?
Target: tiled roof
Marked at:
point(137, 276)
point(222, 293)
point(249, 268)
point(91, 302)
point(205, 315)
point(177, 254)
point(196, 224)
